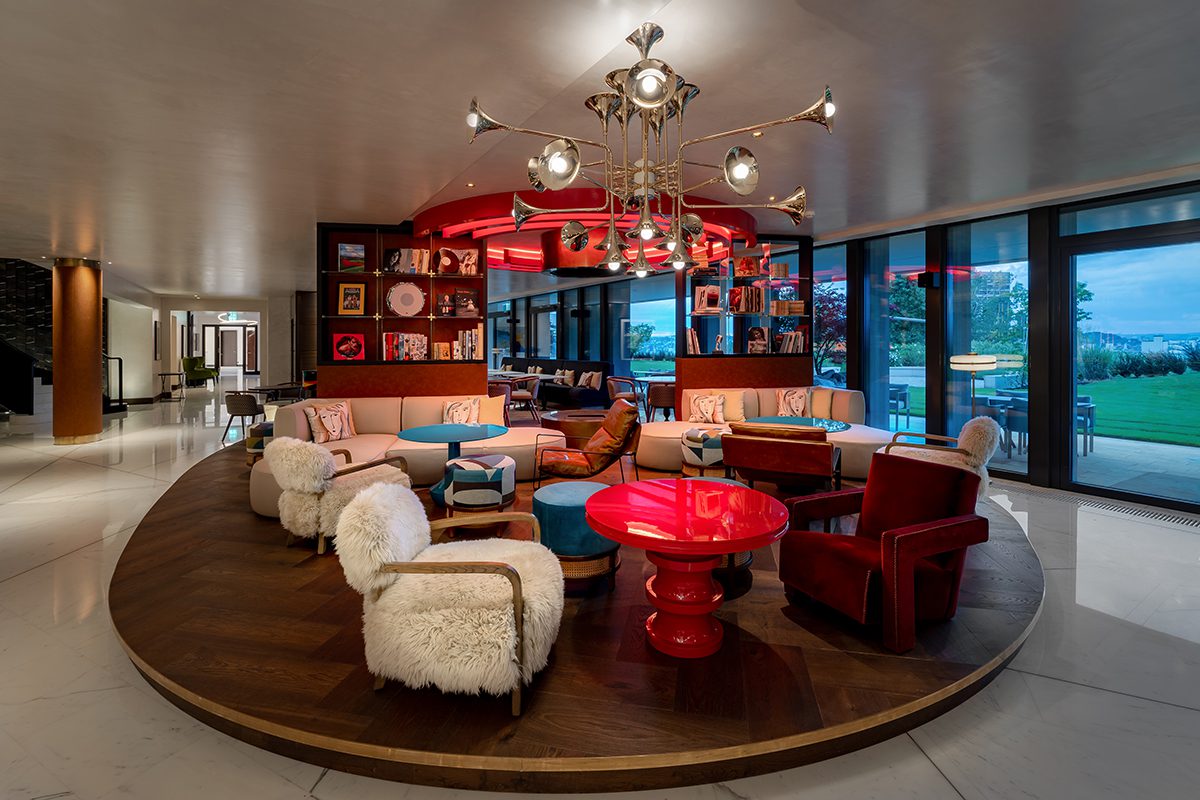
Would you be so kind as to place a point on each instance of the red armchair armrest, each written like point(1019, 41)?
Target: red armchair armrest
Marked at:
point(901, 547)
point(826, 506)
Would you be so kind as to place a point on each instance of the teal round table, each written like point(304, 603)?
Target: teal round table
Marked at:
point(452, 435)
point(830, 425)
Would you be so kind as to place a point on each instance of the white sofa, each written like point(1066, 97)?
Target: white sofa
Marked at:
point(377, 420)
point(660, 449)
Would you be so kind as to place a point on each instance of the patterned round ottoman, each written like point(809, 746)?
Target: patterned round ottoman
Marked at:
point(583, 553)
point(477, 483)
point(702, 452)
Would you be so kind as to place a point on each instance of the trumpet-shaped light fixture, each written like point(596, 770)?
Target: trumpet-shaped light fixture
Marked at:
point(642, 174)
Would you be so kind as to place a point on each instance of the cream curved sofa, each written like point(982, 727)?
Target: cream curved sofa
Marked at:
point(377, 420)
point(659, 447)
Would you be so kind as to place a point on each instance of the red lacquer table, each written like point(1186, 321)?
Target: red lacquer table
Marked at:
point(685, 526)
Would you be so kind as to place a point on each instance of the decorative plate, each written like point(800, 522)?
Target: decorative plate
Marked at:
point(446, 262)
point(405, 299)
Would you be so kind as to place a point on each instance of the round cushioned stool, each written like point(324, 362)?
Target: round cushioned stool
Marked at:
point(734, 571)
point(477, 483)
point(583, 553)
point(702, 455)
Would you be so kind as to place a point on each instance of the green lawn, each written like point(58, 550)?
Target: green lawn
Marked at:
point(1165, 408)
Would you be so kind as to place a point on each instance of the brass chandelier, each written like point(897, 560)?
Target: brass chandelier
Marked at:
point(651, 186)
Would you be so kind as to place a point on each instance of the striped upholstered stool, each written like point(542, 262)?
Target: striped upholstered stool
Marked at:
point(477, 483)
point(583, 553)
point(702, 452)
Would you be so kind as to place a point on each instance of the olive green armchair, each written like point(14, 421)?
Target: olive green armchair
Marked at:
point(195, 373)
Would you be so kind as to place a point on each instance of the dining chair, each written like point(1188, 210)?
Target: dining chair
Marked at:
point(660, 395)
point(525, 392)
point(623, 389)
point(501, 388)
point(242, 405)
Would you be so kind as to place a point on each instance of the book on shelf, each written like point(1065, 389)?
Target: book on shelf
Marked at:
point(747, 299)
point(405, 346)
point(466, 302)
point(787, 308)
point(468, 345)
point(405, 261)
point(746, 266)
point(791, 342)
point(693, 342)
point(779, 270)
point(706, 300)
point(352, 257)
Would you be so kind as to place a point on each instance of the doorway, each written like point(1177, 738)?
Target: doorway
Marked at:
point(230, 347)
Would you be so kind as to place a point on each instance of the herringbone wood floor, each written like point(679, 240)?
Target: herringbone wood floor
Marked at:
point(264, 642)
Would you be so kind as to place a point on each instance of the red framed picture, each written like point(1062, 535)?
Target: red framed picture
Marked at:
point(349, 347)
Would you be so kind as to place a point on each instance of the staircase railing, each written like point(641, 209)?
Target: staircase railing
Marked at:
point(16, 389)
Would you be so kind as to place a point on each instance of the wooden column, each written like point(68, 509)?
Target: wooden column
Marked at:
point(78, 392)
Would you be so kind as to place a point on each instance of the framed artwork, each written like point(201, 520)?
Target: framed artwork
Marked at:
point(352, 299)
point(352, 258)
point(349, 347)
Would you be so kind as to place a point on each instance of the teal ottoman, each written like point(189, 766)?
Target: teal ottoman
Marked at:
point(477, 483)
point(583, 553)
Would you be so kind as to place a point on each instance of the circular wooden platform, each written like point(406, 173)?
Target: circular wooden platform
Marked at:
point(264, 643)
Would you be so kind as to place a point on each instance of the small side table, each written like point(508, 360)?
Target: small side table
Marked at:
point(168, 387)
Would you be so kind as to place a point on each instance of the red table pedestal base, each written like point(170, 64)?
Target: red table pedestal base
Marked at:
point(685, 595)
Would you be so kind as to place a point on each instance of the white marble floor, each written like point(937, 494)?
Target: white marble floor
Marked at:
point(1103, 702)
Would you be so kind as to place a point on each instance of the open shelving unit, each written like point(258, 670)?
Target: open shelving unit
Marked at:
point(771, 282)
point(441, 322)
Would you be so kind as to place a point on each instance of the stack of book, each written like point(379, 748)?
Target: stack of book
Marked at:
point(778, 270)
point(787, 308)
point(790, 342)
point(747, 299)
point(693, 342)
point(405, 346)
point(468, 346)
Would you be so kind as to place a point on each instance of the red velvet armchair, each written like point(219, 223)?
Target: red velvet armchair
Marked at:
point(904, 561)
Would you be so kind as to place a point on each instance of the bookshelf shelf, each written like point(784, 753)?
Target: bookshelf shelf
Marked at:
point(369, 338)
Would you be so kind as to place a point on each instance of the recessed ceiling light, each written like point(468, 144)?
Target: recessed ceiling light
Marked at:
point(110, 263)
point(470, 186)
point(771, 199)
point(757, 134)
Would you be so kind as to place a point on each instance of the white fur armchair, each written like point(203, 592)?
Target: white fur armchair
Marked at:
point(974, 447)
point(469, 616)
point(315, 491)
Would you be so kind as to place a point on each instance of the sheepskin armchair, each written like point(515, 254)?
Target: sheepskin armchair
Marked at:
point(972, 449)
point(467, 616)
point(315, 491)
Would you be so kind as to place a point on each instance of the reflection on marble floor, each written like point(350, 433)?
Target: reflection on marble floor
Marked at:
point(1103, 702)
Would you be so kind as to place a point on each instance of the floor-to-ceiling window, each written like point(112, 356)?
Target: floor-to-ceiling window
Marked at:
point(570, 323)
point(617, 311)
point(987, 285)
point(829, 315)
point(1136, 425)
point(649, 338)
point(592, 314)
point(520, 338)
point(894, 349)
point(499, 333)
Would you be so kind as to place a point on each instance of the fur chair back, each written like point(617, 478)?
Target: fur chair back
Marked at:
point(979, 437)
point(383, 523)
point(300, 466)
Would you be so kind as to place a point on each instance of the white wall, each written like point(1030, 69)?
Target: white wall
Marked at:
point(131, 337)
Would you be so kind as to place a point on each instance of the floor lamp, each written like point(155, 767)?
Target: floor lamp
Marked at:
point(972, 363)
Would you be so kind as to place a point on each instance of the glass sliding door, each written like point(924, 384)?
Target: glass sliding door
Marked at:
point(1134, 422)
point(543, 326)
point(829, 315)
point(649, 339)
point(987, 285)
point(894, 349)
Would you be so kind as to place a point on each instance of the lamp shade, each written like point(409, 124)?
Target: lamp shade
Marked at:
point(972, 362)
point(1010, 361)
